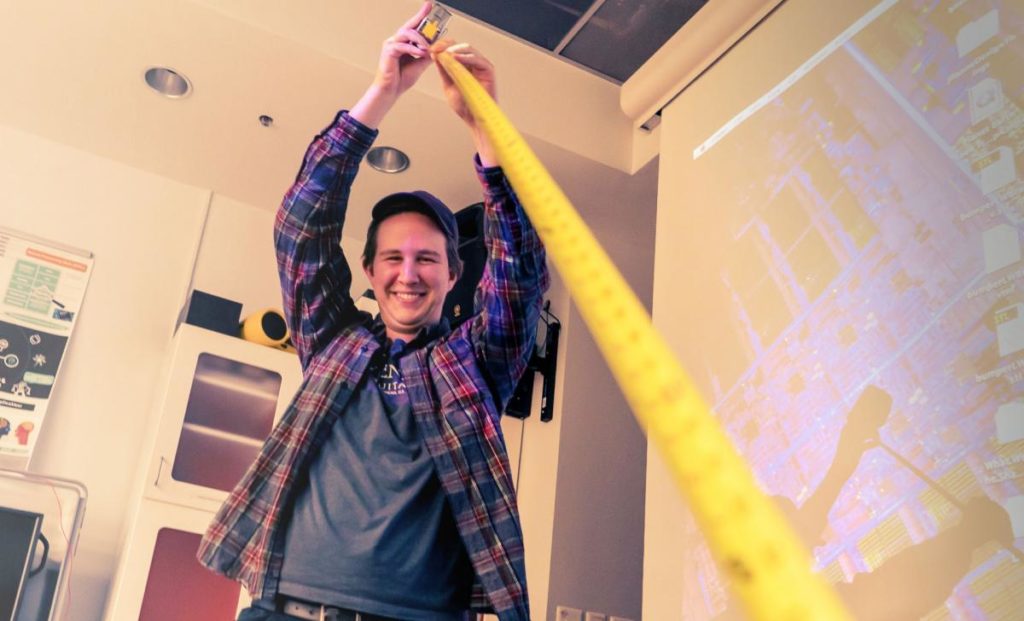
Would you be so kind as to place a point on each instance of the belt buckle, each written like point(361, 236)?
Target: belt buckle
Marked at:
point(325, 616)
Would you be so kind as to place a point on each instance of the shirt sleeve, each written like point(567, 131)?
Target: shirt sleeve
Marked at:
point(511, 289)
point(315, 277)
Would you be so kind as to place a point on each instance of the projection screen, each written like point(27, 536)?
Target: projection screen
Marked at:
point(838, 264)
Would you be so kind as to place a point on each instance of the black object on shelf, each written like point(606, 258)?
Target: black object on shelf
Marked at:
point(213, 313)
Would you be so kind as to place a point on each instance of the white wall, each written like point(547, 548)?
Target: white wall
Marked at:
point(236, 257)
point(149, 238)
point(144, 230)
point(598, 518)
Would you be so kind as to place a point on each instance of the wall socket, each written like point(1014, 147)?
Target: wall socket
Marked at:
point(564, 613)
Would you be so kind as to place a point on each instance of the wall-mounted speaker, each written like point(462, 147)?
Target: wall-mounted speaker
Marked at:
point(458, 306)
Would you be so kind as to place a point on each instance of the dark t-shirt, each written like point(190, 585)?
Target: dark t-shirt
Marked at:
point(372, 531)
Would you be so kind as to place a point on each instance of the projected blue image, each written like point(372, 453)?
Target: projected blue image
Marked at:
point(868, 270)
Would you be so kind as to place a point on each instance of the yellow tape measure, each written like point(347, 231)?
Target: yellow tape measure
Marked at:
point(753, 543)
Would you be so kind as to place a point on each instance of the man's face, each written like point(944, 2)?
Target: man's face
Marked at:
point(409, 274)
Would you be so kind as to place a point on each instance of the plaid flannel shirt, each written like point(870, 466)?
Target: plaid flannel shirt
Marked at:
point(458, 383)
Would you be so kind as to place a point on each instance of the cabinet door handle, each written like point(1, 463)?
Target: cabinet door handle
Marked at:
point(159, 471)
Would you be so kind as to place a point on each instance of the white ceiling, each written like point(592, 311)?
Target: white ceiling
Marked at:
point(72, 72)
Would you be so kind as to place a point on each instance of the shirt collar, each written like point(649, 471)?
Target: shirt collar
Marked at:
point(426, 335)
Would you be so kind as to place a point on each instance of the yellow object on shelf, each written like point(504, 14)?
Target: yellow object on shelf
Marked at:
point(266, 327)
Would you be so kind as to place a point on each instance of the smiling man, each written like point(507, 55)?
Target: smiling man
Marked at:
point(411, 258)
point(385, 492)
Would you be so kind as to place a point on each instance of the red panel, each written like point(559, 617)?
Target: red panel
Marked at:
point(180, 589)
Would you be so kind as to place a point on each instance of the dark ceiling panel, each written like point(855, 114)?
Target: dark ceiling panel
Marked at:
point(623, 34)
point(541, 22)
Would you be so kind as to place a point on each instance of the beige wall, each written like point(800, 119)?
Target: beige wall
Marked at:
point(597, 541)
point(152, 236)
point(144, 230)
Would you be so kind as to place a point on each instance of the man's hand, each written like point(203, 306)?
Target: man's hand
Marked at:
point(404, 57)
point(478, 65)
point(483, 71)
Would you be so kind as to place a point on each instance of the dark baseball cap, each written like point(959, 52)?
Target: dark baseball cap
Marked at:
point(420, 202)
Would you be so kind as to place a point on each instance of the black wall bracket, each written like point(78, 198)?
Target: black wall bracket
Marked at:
point(544, 360)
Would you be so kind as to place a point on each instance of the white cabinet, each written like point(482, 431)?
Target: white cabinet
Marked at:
point(221, 397)
point(159, 578)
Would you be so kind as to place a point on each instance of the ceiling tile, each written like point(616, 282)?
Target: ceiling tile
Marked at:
point(623, 34)
point(541, 22)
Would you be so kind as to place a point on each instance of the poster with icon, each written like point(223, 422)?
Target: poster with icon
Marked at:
point(42, 286)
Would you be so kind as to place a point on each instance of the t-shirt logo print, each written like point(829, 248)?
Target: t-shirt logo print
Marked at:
point(389, 380)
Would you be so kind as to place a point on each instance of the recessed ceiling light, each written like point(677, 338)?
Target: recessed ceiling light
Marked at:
point(387, 159)
point(168, 82)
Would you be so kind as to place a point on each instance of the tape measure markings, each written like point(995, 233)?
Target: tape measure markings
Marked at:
point(770, 570)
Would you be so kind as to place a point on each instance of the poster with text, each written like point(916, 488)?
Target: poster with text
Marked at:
point(42, 286)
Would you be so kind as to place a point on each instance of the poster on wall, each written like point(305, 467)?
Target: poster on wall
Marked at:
point(42, 286)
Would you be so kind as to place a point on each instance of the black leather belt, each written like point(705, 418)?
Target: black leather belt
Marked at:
point(301, 609)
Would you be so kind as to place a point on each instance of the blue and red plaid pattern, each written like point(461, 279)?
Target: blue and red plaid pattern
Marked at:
point(458, 383)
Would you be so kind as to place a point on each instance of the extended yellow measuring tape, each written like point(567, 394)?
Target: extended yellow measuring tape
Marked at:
point(755, 546)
